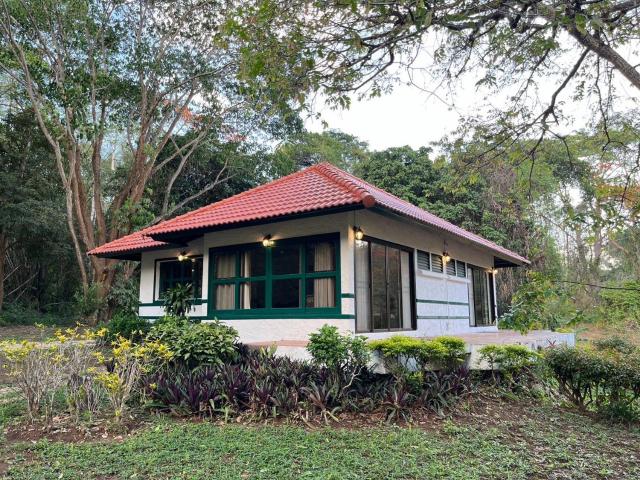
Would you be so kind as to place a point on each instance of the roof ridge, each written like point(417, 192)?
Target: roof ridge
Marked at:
point(362, 194)
point(226, 200)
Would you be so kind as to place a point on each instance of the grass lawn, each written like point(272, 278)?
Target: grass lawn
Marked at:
point(495, 442)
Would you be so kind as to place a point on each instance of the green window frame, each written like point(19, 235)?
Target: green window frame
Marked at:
point(269, 278)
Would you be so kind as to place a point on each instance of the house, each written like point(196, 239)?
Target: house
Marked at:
point(320, 246)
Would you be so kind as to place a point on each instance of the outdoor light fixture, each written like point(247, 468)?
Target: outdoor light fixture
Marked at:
point(183, 256)
point(268, 241)
point(359, 234)
point(446, 257)
point(494, 270)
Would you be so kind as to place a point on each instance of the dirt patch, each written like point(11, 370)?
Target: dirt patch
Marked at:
point(64, 429)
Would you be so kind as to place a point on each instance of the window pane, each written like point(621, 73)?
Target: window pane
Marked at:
point(226, 296)
point(286, 293)
point(321, 292)
point(196, 277)
point(225, 265)
point(406, 290)
point(363, 294)
point(393, 287)
point(174, 272)
point(253, 263)
point(286, 260)
point(378, 287)
point(321, 257)
point(252, 295)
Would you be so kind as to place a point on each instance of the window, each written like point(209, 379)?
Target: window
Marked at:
point(424, 262)
point(296, 275)
point(436, 263)
point(461, 269)
point(451, 267)
point(173, 273)
point(384, 290)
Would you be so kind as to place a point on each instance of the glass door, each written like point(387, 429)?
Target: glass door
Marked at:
point(383, 284)
point(482, 292)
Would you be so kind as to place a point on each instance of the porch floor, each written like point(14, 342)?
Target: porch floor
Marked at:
point(535, 340)
point(540, 337)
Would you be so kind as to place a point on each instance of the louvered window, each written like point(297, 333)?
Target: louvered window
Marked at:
point(424, 262)
point(461, 269)
point(436, 263)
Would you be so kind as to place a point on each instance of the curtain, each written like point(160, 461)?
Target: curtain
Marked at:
point(225, 296)
point(324, 289)
point(226, 265)
point(363, 296)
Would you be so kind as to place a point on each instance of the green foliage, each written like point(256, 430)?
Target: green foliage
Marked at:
point(124, 292)
point(338, 352)
point(306, 149)
point(615, 344)
point(621, 305)
point(196, 344)
point(603, 378)
point(508, 358)
point(178, 300)
point(127, 325)
point(539, 304)
point(402, 353)
point(14, 314)
point(87, 304)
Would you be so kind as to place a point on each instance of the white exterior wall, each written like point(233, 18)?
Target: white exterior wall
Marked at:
point(442, 300)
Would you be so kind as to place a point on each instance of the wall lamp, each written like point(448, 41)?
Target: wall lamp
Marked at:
point(358, 233)
point(446, 257)
point(182, 256)
point(268, 241)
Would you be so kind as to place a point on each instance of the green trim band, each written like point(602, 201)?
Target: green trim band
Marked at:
point(441, 302)
point(348, 295)
point(429, 317)
point(160, 303)
point(302, 316)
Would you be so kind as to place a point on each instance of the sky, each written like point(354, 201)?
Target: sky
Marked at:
point(409, 115)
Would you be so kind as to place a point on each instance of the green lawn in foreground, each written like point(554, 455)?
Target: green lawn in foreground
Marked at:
point(545, 443)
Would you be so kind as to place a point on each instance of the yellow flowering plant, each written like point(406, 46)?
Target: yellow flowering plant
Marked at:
point(130, 361)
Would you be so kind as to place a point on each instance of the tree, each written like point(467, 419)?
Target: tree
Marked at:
point(113, 85)
point(35, 259)
point(309, 148)
point(516, 49)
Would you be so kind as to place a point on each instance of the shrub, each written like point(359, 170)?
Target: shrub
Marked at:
point(442, 389)
point(128, 363)
point(604, 380)
point(196, 344)
point(333, 350)
point(615, 344)
point(127, 325)
point(64, 362)
point(401, 353)
point(508, 358)
point(179, 300)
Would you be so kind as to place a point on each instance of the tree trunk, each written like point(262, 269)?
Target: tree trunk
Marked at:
point(4, 245)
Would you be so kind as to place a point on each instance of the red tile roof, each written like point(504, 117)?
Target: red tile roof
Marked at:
point(132, 243)
point(318, 188)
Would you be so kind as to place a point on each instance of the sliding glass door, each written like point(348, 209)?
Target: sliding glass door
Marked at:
point(383, 287)
point(483, 297)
